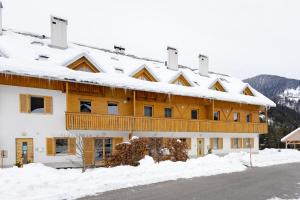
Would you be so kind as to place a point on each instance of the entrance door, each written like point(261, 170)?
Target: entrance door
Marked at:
point(24, 150)
point(103, 149)
point(200, 147)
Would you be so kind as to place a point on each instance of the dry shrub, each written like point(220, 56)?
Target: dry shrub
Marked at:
point(128, 153)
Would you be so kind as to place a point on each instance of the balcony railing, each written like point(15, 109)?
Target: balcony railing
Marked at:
point(88, 121)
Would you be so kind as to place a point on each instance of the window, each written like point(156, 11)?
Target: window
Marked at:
point(216, 143)
point(236, 143)
point(37, 104)
point(217, 115)
point(86, 106)
point(168, 112)
point(248, 118)
point(61, 146)
point(148, 111)
point(103, 148)
point(178, 82)
point(194, 114)
point(236, 116)
point(248, 143)
point(112, 109)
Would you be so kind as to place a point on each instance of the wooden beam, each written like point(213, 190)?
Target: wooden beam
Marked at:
point(134, 104)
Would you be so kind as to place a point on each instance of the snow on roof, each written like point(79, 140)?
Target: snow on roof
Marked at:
point(23, 53)
point(293, 136)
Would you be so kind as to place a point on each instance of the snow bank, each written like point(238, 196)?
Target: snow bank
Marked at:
point(36, 181)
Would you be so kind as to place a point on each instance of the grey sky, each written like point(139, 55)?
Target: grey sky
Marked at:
point(242, 38)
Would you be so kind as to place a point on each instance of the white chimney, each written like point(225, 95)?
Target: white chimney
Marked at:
point(1, 6)
point(172, 58)
point(58, 32)
point(203, 65)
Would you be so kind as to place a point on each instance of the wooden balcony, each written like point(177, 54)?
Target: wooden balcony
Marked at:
point(88, 121)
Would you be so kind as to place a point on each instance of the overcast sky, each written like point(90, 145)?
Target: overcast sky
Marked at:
point(242, 38)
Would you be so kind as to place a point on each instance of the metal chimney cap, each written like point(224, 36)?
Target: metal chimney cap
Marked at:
point(201, 55)
point(171, 48)
point(59, 19)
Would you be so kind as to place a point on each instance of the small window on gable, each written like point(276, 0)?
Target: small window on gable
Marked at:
point(181, 81)
point(83, 64)
point(86, 106)
point(145, 75)
point(247, 91)
point(37, 104)
point(218, 87)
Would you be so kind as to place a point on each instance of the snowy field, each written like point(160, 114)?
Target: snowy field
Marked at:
point(36, 181)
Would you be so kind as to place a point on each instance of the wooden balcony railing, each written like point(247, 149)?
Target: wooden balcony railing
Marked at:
point(88, 121)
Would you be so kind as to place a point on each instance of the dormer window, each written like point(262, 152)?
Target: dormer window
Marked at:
point(247, 91)
point(180, 80)
point(84, 63)
point(144, 74)
point(217, 86)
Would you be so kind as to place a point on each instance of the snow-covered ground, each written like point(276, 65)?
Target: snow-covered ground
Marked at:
point(36, 181)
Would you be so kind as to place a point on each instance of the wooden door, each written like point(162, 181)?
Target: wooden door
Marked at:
point(200, 147)
point(24, 150)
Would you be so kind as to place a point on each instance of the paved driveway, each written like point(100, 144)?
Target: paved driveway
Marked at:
point(254, 184)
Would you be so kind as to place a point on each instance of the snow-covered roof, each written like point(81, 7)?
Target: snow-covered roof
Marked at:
point(30, 55)
point(293, 136)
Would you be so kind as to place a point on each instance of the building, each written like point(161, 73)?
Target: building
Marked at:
point(292, 139)
point(52, 91)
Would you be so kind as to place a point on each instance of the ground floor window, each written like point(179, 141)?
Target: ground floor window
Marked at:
point(216, 143)
point(103, 148)
point(248, 142)
point(61, 145)
point(236, 143)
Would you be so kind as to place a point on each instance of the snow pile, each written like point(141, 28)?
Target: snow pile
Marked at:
point(36, 181)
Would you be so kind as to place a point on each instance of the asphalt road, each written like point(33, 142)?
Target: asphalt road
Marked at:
point(254, 184)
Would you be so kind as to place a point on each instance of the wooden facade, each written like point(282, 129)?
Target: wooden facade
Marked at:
point(130, 114)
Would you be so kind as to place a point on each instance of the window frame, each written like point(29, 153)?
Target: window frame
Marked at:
point(238, 116)
point(55, 146)
point(103, 147)
point(219, 115)
point(171, 112)
point(250, 117)
point(30, 104)
point(112, 102)
point(85, 100)
point(237, 144)
point(197, 111)
point(152, 110)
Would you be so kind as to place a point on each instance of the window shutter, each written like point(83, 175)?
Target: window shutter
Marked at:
point(48, 105)
point(72, 146)
point(220, 143)
point(232, 143)
point(88, 151)
point(189, 143)
point(240, 143)
point(115, 142)
point(50, 145)
point(211, 143)
point(24, 103)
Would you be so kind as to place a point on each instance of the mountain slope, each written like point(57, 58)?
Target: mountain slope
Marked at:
point(286, 116)
point(281, 90)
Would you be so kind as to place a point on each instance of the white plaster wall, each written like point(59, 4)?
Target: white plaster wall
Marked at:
point(14, 124)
